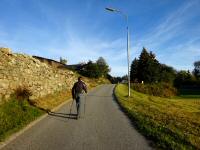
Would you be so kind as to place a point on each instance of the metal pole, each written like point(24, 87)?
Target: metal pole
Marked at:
point(128, 56)
point(128, 46)
point(128, 60)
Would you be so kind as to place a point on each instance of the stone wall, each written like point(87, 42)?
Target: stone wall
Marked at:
point(50, 62)
point(19, 70)
point(59, 65)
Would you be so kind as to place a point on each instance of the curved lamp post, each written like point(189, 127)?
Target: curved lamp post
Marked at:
point(128, 43)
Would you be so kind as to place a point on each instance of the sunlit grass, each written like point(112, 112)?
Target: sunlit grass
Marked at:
point(171, 123)
point(15, 115)
point(52, 100)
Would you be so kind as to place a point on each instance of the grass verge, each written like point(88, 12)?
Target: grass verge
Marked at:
point(14, 115)
point(170, 123)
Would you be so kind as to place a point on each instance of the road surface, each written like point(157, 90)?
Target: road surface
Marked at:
point(104, 127)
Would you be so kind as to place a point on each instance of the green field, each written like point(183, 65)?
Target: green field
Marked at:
point(170, 123)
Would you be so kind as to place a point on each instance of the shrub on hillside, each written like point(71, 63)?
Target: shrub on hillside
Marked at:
point(22, 94)
point(158, 89)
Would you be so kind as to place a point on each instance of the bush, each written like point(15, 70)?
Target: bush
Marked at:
point(159, 89)
point(22, 94)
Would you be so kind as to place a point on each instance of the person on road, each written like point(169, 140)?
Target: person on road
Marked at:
point(77, 90)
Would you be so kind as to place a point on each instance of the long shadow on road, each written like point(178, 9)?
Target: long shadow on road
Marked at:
point(62, 115)
point(68, 115)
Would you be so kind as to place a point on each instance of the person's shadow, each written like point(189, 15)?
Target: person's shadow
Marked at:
point(62, 115)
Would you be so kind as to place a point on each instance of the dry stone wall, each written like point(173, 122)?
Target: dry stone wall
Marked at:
point(19, 70)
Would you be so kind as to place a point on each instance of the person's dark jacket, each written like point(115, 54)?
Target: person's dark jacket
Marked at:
point(78, 88)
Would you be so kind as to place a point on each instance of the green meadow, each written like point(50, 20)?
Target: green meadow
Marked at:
point(172, 123)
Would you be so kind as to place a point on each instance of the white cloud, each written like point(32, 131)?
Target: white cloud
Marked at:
point(171, 26)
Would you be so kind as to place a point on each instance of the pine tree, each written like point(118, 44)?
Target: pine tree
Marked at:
point(196, 70)
point(148, 67)
point(149, 70)
point(63, 61)
point(134, 71)
point(167, 74)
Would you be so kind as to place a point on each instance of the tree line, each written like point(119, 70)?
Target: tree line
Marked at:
point(96, 69)
point(147, 68)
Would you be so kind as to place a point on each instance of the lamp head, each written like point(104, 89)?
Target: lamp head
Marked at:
point(110, 9)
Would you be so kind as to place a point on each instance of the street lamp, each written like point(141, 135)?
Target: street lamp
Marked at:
point(128, 46)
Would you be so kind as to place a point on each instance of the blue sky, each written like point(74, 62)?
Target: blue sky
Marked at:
point(81, 30)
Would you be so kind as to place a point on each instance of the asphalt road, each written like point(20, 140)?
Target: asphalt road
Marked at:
point(104, 127)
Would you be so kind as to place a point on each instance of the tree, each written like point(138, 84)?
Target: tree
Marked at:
point(134, 70)
point(63, 61)
point(114, 80)
point(125, 77)
point(90, 70)
point(196, 70)
point(167, 74)
point(148, 67)
point(103, 66)
point(101, 61)
point(153, 69)
point(95, 69)
point(182, 78)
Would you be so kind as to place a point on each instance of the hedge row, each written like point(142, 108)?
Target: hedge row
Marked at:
point(157, 89)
